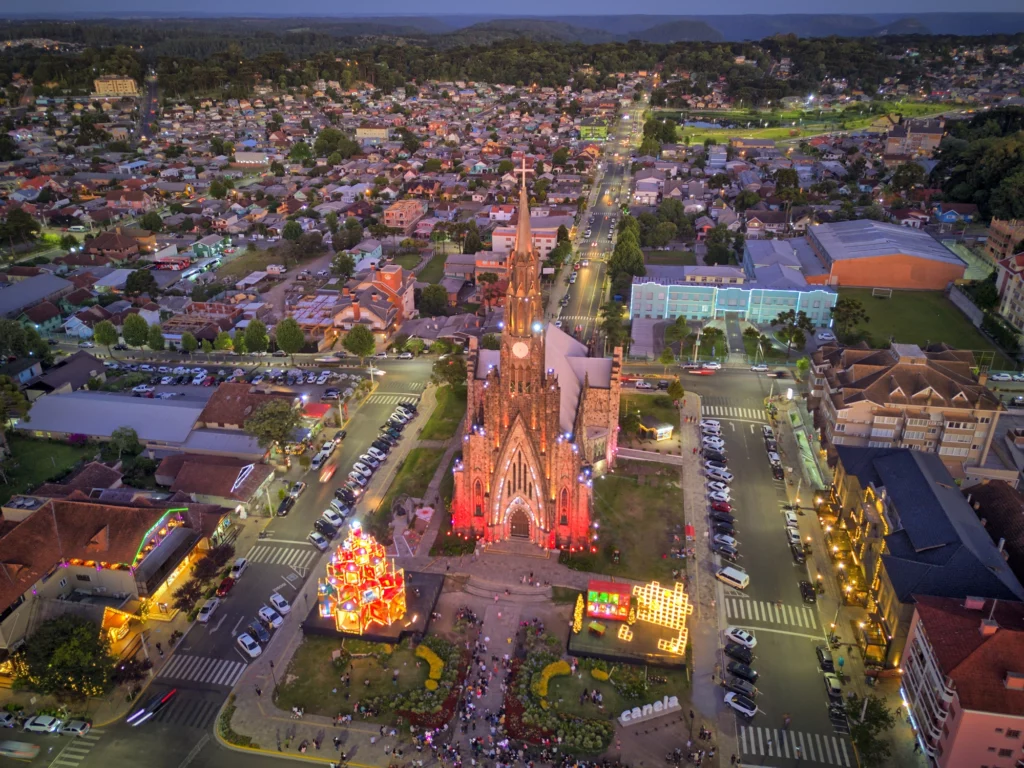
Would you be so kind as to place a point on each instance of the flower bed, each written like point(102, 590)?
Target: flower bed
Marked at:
point(527, 718)
point(539, 685)
point(433, 706)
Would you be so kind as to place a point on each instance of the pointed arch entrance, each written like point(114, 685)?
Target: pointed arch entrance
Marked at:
point(519, 523)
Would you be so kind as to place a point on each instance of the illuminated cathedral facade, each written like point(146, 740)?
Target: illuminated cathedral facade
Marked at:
point(542, 418)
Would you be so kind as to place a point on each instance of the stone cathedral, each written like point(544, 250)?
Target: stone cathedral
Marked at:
point(542, 417)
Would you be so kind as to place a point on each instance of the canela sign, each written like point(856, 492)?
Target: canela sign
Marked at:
point(649, 711)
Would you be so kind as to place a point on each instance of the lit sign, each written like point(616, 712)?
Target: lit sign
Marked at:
point(648, 711)
point(608, 600)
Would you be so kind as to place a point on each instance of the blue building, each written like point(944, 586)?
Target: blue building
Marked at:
point(772, 279)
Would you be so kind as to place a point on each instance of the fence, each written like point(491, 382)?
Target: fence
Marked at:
point(963, 302)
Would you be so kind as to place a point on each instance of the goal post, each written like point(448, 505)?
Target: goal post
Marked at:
point(882, 293)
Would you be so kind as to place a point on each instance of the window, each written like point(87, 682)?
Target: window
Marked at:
point(1005, 752)
point(1012, 734)
point(83, 577)
point(63, 582)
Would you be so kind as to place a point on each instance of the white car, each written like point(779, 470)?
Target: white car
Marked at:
point(723, 475)
point(720, 487)
point(198, 380)
point(142, 389)
point(729, 541)
point(167, 380)
point(759, 368)
point(641, 384)
point(791, 521)
point(208, 609)
point(257, 379)
point(163, 369)
point(725, 498)
point(743, 705)
point(249, 646)
point(280, 604)
point(741, 636)
point(712, 366)
point(197, 371)
point(42, 724)
point(710, 423)
point(711, 430)
point(369, 461)
point(271, 617)
point(715, 443)
point(319, 541)
point(332, 517)
point(358, 479)
point(792, 535)
point(1000, 377)
point(405, 356)
point(774, 458)
point(322, 379)
point(240, 566)
point(362, 469)
point(179, 370)
point(1018, 377)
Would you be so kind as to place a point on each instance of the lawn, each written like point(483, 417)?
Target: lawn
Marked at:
point(313, 678)
point(670, 258)
point(638, 507)
point(769, 352)
point(411, 479)
point(658, 406)
point(922, 318)
point(564, 691)
point(246, 262)
point(434, 271)
point(34, 462)
point(407, 260)
point(448, 412)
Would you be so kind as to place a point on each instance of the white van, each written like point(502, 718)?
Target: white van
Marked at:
point(734, 577)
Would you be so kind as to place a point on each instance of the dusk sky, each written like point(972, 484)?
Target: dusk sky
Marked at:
point(79, 8)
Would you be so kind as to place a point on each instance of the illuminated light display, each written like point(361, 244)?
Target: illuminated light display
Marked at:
point(362, 587)
point(666, 608)
point(608, 600)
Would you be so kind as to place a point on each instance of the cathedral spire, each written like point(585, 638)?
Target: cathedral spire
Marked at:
point(524, 238)
point(523, 305)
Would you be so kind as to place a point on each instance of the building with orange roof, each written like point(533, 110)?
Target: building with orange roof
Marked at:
point(963, 681)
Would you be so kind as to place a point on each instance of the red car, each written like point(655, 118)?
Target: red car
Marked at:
point(225, 586)
point(701, 372)
point(328, 472)
point(721, 506)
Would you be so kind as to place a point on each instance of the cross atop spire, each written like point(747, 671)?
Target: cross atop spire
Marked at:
point(524, 238)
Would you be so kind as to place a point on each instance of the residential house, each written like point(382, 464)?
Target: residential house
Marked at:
point(115, 246)
point(136, 201)
point(1004, 238)
point(403, 215)
point(28, 293)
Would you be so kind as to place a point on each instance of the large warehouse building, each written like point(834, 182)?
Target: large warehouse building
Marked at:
point(873, 254)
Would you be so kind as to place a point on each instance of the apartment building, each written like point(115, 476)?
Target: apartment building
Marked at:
point(115, 86)
point(915, 137)
point(903, 397)
point(404, 214)
point(963, 681)
point(1010, 284)
point(1003, 238)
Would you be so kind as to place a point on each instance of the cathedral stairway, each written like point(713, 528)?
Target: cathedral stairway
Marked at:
point(518, 593)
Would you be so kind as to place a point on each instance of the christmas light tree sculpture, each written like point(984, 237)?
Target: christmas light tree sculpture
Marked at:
point(361, 588)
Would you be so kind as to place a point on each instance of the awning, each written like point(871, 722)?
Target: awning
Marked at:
point(690, 532)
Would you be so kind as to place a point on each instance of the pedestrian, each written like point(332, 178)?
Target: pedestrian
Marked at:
point(259, 691)
point(732, 760)
point(337, 742)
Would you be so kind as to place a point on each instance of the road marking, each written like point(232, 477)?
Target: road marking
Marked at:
point(779, 631)
point(234, 629)
point(214, 629)
point(278, 541)
point(195, 751)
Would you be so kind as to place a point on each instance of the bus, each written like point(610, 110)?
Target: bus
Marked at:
point(177, 262)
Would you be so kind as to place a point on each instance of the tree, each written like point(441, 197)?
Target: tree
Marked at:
point(152, 221)
point(105, 334)
point(847, 314)
point(612, 315)
point(238, 343)
point(562, 236)
point(135, 330)
point(65, 656)
point(256, 340)
point(676, 391)
point(416, 346)
point(273, 423)
point(290, 337)
point(666, 358)
point(786, 178)
point(140, 281)
point(185, 597)
point(217, 189)
point(490, 341)
point(718, 255)
point(360, 342)
point(207, 347)
point(189, 343)
point(472, 244)
point(869, 720)
point(19, 225)
point(434, 300)
point(629, 420)
point(300, 151)
point(67, 242)
point(125, 440)
point(155, 338)
point(746, 199)
point(451, 371)
point(399, 342)
point(803, 367)
point(13, 404)
point(343, 265)
point(907, 176)
point(795, 326)
point(292, 231)
point(223, 342)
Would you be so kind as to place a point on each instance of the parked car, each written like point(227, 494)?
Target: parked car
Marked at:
point(258, 631)
point(208, 609)
point(739, 653)
point(333, 518)
point(280, 604)
point(833, 687)
point(318, 540)
point(742, 671)
point(710, 455)
point(717, 485)
point(728, 541)
point(719, 496)
point(270, 617)
point(741, 636)
point(721, 506)
point(825, 659)
point(715, 443)
point(225, 586)
point(297, 489)
point(741, 704)
point(249, 645)
point(76, 728)
point(712, 366)
point(358, 479)
point(768, 432)
point(285, 506)
point(777, 472)
point(240, 566)
point(798, 554)
point(42, 724)
point(1000, 377)
point(807, 592)
point(722, 475)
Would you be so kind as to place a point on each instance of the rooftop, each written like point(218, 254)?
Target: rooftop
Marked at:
point(865, 238)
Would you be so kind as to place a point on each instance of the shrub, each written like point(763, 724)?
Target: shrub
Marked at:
point(599, 674)
point(559, 668)
point(430, 685)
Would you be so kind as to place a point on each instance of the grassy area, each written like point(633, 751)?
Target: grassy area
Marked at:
point(248, 261)
point(443, 422)
point(658, 406)
point(920, 317)
point(434, 271)
point(638, 508)
point(34, 462)
point(768, 354)
point(412, 479)
point(564, 692)
point(407, 260)
point(670, 258)
point(312, 680)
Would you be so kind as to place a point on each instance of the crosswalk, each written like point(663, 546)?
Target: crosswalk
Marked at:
point(732, 412)
point(290, 557)
point(77, 749)
point(202, 669)
point(807, 747)
point(186, 712)
point(576, 318)
point(770, 613)
point(383, 398)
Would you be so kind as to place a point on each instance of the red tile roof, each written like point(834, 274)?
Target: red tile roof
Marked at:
point(977, 663)
point(232, 404)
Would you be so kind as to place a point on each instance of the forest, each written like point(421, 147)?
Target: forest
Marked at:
point(205, 58)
